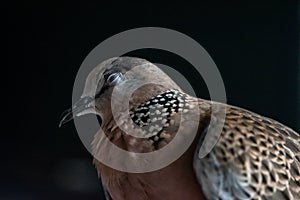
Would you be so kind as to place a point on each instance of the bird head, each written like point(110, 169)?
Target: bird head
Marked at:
point(121, 75)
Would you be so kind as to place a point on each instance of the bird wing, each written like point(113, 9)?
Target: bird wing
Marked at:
point(255, 158)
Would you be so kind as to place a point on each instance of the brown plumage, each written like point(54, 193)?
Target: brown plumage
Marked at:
point(254, 158)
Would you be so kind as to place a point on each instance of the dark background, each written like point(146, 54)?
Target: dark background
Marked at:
point(255, 46)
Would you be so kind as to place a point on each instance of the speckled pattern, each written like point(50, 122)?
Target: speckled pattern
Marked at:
point(155, 114)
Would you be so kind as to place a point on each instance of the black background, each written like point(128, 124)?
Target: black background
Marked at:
point(254, 45)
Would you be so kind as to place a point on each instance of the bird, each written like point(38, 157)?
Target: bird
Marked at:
point(255, 157)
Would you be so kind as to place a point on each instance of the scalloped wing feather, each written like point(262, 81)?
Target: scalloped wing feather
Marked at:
point(255, 158)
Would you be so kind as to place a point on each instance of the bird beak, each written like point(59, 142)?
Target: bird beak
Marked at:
point(79, 108)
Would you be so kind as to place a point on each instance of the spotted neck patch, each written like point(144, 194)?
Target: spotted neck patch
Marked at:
point(155, 114)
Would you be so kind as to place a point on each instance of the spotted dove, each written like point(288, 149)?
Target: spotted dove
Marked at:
point(254, 158)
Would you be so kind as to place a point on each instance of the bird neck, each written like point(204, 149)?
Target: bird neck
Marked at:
point(178, 179)
point(155, 121)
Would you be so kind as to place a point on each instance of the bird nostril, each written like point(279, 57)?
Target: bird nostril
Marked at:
point(86, 101)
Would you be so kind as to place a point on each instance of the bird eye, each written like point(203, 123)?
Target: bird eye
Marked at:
point(114, 78)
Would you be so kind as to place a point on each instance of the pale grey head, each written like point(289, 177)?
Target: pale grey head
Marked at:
point(101, 81)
